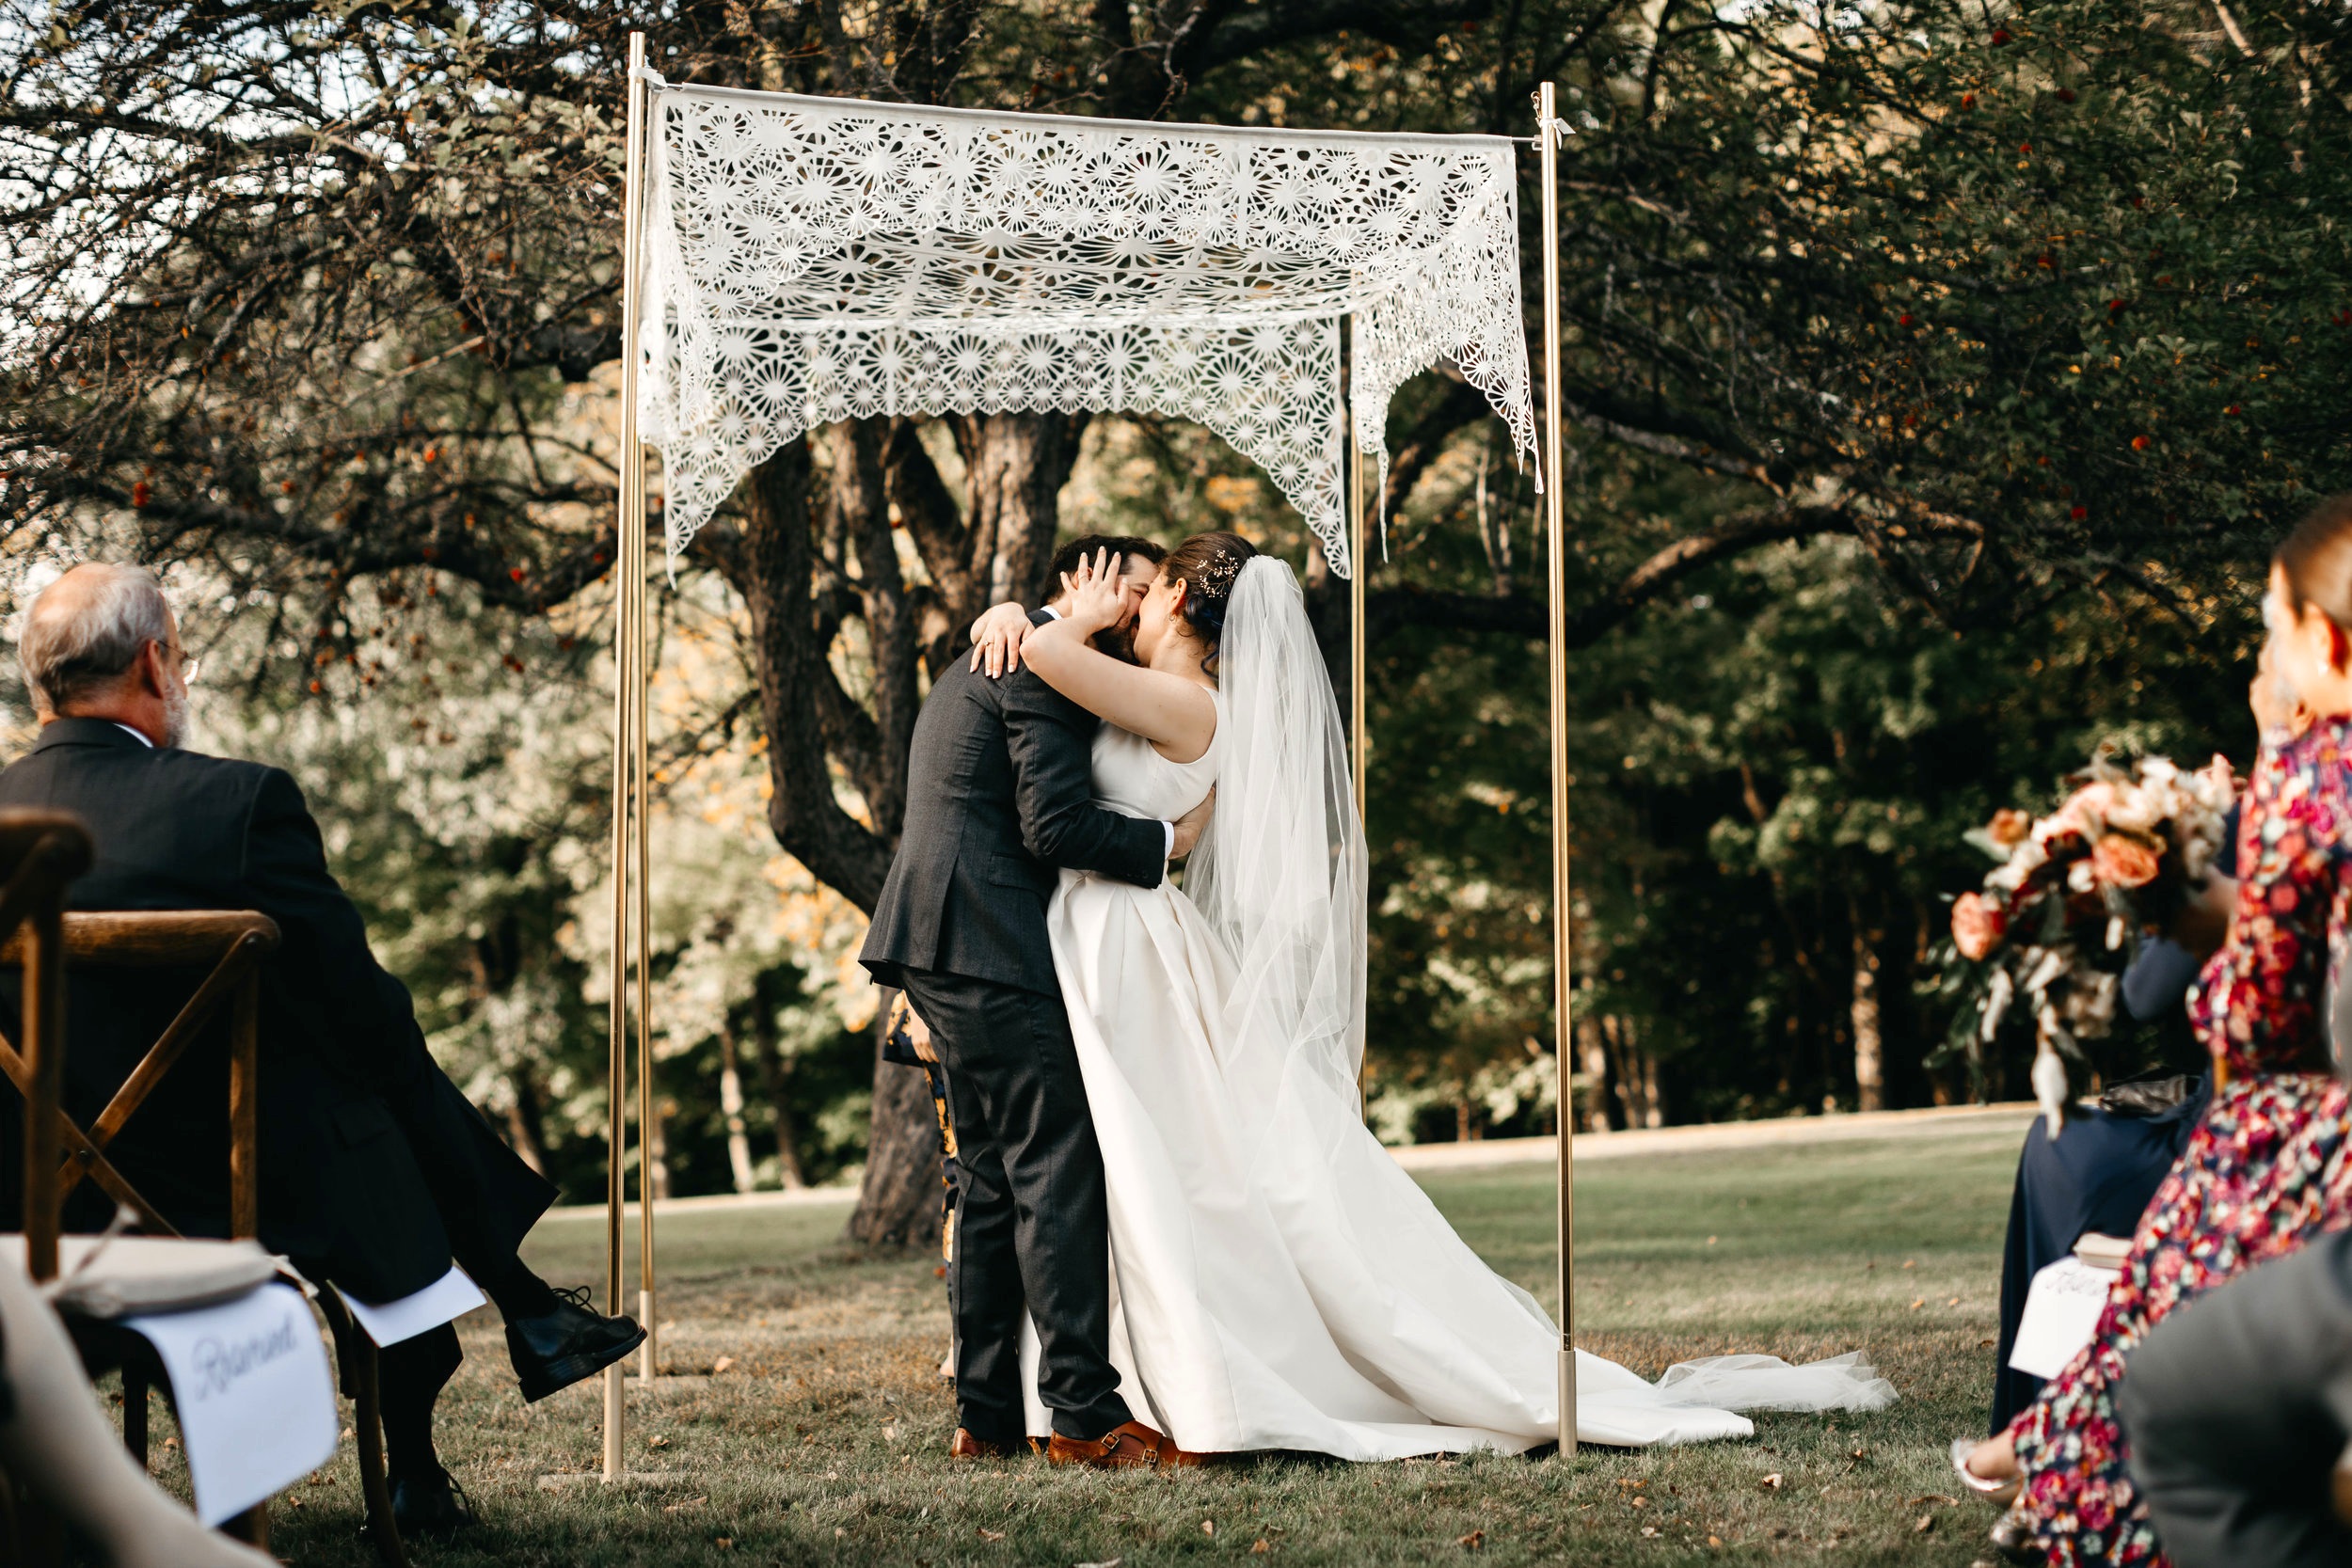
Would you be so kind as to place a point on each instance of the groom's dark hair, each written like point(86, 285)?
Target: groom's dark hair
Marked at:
point(1066, 559)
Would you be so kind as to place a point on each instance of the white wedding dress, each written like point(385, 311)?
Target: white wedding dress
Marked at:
point(1279, 1281)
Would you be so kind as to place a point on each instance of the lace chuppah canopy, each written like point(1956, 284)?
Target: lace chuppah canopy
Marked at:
point(789, 261)
point(811, 260)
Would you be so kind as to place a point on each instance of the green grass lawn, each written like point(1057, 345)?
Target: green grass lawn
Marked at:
point(822, 1439)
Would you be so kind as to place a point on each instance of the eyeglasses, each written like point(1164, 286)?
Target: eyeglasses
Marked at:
point(190, 664)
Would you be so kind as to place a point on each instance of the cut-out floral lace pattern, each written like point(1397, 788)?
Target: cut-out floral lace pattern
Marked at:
point(815, 260)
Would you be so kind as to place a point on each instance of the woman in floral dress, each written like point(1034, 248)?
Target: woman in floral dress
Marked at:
point(2271, 1166)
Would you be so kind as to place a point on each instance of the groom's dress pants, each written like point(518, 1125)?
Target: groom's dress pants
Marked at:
point(2237, 1408)
point(1031, 1223)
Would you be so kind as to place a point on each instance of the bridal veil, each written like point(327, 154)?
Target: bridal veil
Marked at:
point(1281, 872)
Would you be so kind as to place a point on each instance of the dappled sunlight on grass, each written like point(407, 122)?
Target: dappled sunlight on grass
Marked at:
point(809, 1424)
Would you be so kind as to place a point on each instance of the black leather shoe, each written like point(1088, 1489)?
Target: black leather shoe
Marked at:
point(430, 1506)
point(557, 1349)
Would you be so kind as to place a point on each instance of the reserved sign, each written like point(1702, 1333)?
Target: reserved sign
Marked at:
point(256, 1400)
point(2062, 1307)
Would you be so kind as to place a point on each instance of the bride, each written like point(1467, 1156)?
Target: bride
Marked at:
point(1278, 1282)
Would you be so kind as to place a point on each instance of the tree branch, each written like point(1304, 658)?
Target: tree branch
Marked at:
point(1391, 610)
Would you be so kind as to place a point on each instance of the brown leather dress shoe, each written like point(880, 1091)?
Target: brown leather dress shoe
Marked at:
point(1131, 1445)
point(964, 1446)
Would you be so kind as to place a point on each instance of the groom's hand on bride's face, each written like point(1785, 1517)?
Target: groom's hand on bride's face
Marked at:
point(1188, 827)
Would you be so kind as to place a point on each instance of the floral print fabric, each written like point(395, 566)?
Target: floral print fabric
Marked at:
point(2264, 1172)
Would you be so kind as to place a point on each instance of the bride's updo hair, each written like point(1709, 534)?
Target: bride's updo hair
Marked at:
point(1206, 565)
point(2316, 561)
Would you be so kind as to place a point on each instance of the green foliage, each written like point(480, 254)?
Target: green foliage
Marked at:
point(1939, 377)
point(1791, 751)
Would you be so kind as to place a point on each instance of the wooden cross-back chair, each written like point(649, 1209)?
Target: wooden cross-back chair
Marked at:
point(59, 1154)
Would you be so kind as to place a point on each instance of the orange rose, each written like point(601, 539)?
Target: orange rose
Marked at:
point(1976, 925)
point(2008, 828)
point(2123, 861)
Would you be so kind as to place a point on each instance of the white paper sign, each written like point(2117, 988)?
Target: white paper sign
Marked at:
point(2062, 1307)
point(446, 1300)
point(256, 1401)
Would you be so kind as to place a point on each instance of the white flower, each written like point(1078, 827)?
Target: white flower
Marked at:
point(1997, 997)
point(2024, 862)
point(2135, 811)
point(2049, 1086)
point(2091, 1003)
point(2043, 965)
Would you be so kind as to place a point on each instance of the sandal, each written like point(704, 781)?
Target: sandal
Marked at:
point(2000, 1492)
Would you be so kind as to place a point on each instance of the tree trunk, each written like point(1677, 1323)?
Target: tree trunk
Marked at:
point(1596, 1059)
point(731, 1106)
point(803, 710)
point(898, 1205)
point(1626, 1064)
point(777, 1075)
point(1869, 1051)
point(525, 1129)
point(1016, 465)
point(658, 1147)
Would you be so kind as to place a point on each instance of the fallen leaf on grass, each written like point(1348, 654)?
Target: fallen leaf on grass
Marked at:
point(1927, 1523)
point(1714, 1540)
point(1649, 1532)
point(1262, 1546)
point(1108, 1562)
point(1919, 1303)
point(987, 1534)
point(723, 1364)
point(1208, 1526)
point(724, 1543)
point(1772, 1482)
point(657, 1442)
point(1474, 1541)
point(1987, 1344)
point(1930, 1497)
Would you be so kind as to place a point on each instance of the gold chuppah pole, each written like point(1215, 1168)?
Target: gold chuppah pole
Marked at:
point(1548, 127)
point(628, 782)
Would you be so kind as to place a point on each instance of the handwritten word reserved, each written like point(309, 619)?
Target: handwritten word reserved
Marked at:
point(219, 1364)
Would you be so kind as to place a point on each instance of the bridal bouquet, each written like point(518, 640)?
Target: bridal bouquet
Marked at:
point(2073, 893)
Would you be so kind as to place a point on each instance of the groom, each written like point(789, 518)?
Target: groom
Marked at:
point(1000, 793)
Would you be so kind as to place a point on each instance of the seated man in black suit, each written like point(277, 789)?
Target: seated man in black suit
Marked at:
point(376, 1172)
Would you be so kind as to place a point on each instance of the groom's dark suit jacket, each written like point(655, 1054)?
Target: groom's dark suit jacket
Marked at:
point(374, 1168)
point(1000, 791)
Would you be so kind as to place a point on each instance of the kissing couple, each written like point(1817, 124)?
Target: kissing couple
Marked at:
point(1164, 1164)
